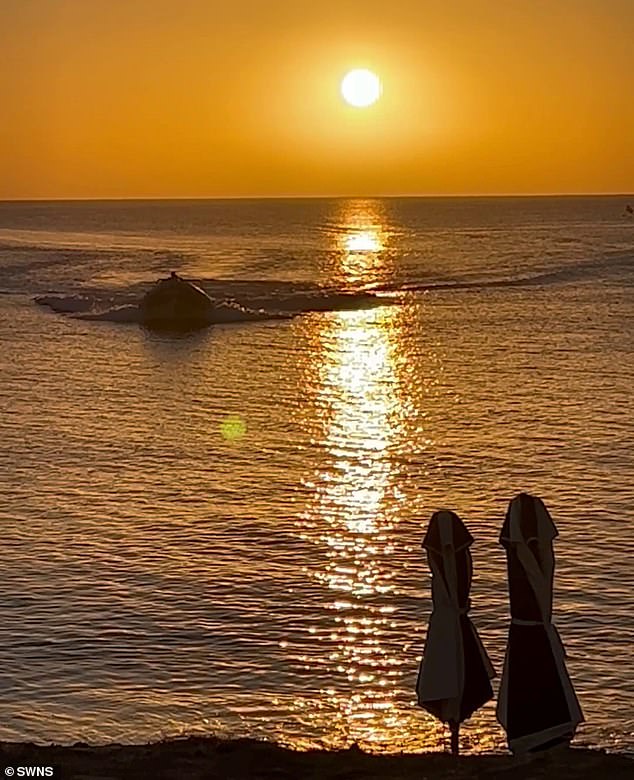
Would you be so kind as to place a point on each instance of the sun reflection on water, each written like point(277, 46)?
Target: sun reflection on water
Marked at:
point(366, 418)
point(355, 499)
point(355, 517)
point(364, 241)
point(361, 256)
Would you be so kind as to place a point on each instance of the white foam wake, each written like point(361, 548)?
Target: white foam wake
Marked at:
point(234, 301)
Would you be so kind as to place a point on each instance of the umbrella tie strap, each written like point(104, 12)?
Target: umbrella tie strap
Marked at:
point(464, 610)
point(520, 622)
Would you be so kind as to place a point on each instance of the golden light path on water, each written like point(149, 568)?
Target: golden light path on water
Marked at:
point(361, 398)
point(361, 247)
point(352, 504)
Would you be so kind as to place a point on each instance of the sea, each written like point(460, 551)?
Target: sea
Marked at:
point(219, 532)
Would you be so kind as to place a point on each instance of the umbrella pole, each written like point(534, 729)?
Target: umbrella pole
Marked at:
point(455, 737)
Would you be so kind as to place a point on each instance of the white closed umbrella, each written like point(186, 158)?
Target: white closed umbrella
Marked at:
point(455, 673)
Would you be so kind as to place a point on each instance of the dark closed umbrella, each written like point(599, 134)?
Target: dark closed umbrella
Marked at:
point(537, 704)
point(455, 673)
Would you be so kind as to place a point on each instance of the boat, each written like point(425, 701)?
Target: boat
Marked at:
point(176, 303)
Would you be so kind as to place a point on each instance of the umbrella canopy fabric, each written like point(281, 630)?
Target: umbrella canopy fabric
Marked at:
point(537, 705)
point(455, 673)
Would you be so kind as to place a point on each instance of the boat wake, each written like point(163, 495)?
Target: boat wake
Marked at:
point(232, 301)
point(619, 265)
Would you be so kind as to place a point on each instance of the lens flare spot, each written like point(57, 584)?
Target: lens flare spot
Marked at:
point(233, 428)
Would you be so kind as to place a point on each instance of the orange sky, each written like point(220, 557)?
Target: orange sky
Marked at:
point(186, 98)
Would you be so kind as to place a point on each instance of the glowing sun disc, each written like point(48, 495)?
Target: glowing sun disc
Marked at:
point(361, 88)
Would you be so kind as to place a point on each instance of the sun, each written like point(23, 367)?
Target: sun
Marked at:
point(361, 88)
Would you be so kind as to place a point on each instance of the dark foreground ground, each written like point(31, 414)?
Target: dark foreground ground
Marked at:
point(214, 759)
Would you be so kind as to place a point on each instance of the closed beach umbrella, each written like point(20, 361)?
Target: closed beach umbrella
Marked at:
point(455, 673)
point(537, 704)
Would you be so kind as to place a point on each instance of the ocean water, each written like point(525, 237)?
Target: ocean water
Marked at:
point(221, 532)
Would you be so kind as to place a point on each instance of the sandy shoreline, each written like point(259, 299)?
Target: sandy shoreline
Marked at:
point(208, 758)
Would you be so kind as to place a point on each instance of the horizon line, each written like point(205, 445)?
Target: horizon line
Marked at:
point(151, 198)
